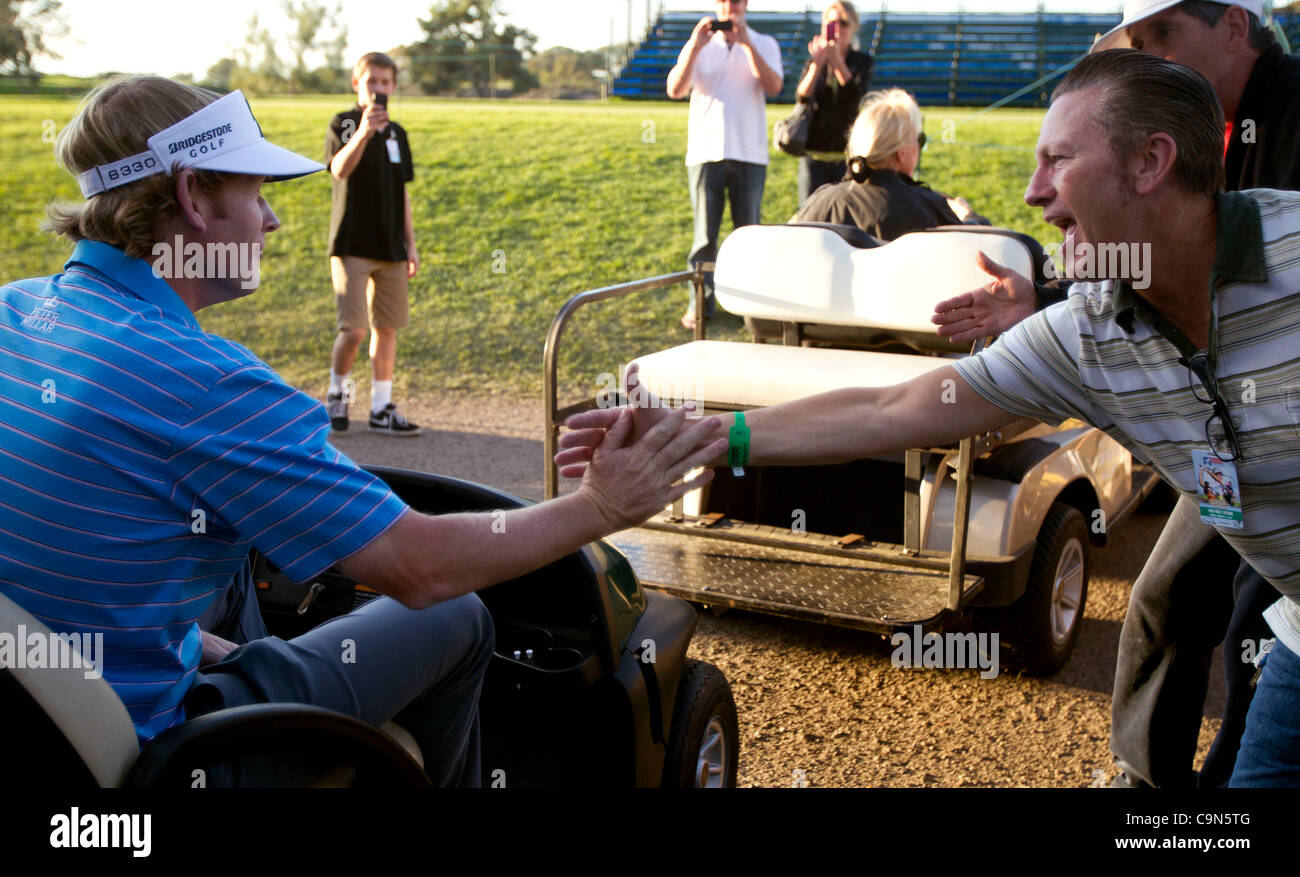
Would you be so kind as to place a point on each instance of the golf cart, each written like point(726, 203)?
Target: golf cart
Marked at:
point(999, 524)
point(588, 686)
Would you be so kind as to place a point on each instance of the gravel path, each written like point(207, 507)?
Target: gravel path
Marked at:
point(824, 706)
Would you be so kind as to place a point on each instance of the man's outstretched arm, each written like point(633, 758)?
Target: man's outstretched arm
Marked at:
point(425, 559)
point(832, 427)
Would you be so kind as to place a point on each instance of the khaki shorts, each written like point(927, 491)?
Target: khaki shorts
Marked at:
point(369, 293)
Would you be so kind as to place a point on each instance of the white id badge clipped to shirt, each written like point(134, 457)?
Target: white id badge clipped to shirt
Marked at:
point(1217, 490)
point(394, 151)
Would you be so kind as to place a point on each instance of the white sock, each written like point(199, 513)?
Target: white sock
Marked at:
point(336, 383)
point(381, 393)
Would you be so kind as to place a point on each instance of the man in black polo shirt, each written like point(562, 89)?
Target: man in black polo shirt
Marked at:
point(372, 243)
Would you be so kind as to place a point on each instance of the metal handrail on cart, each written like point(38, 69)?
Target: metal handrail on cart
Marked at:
point(553, 416)
point(967, 448)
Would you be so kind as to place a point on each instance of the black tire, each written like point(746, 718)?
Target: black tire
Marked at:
point(704, 704)
point(1043, 625)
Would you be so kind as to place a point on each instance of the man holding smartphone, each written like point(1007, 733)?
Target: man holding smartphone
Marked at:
point(728, 70)
point(372, 243)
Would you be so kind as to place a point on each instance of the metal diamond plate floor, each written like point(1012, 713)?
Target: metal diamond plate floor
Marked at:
point(864, 594)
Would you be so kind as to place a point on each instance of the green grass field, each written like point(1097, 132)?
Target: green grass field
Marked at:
point(571, 193)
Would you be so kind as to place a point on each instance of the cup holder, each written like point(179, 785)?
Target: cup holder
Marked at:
point(558, 659)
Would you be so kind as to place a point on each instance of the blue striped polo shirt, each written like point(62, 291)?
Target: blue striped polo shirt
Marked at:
point(140, 457)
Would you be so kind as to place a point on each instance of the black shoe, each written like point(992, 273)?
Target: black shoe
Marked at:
point(336, 406)
point(389, 422)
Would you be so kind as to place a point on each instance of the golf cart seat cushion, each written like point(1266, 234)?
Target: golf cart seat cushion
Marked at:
point(742, 375)
point(804, 274)
point(405, 740)
point(87, 712)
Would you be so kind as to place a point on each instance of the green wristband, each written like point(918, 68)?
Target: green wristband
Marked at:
point(738, 451)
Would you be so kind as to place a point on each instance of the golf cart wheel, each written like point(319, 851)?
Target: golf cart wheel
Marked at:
point(1043, 625)
point(705, 739)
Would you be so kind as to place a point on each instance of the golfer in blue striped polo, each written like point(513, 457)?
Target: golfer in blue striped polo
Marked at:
point(141, 457)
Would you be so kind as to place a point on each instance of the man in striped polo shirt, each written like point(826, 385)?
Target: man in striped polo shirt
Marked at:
point(141, 457)
point(1199, 373)
point(1162, 669)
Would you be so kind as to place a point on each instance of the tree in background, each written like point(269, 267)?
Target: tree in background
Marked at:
point(561, 67)
point(316, 31)
point(24, 27)
point(463, 46)
point(309, 21)
point(257, 66)
point(219, 75)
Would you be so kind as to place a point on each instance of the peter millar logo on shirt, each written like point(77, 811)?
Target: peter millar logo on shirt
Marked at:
point(43, 318)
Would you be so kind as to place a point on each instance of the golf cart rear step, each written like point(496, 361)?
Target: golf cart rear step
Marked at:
point(861, 593)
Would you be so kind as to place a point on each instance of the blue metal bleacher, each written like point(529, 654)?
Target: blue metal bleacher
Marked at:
point(951, 59)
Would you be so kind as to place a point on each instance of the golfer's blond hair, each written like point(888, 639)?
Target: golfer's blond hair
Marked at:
point(115, 121)
point(887, 121)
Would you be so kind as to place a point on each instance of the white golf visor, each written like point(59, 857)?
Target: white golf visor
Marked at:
point(1136, 10)
point(222, 137)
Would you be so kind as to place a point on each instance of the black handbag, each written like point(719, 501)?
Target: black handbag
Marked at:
point(791, 134)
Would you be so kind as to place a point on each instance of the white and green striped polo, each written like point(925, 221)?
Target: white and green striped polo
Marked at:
point(1106, 357)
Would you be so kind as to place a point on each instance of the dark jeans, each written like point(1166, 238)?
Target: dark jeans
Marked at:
point(382, 661)
point(711, 185)
point(814, 174)
point(1180, 609)
point(1270, 748)
point(1253, 595)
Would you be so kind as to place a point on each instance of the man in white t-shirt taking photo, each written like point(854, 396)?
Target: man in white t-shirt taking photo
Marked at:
point(728, 69)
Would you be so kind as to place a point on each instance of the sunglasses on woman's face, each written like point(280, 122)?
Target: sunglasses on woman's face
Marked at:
point(920, 140)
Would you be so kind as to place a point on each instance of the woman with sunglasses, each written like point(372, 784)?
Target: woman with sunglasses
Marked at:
point(836, 78)
point(881, 197)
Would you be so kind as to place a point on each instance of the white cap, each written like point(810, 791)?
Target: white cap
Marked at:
point(1136, 10)
point(222, 137)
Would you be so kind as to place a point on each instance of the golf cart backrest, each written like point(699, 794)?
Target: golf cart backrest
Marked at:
point(66, 728)
point(843, 292)
point(72, 729)
point(815, 276)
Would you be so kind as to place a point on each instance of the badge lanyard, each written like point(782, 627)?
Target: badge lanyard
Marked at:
point(1218, 489)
